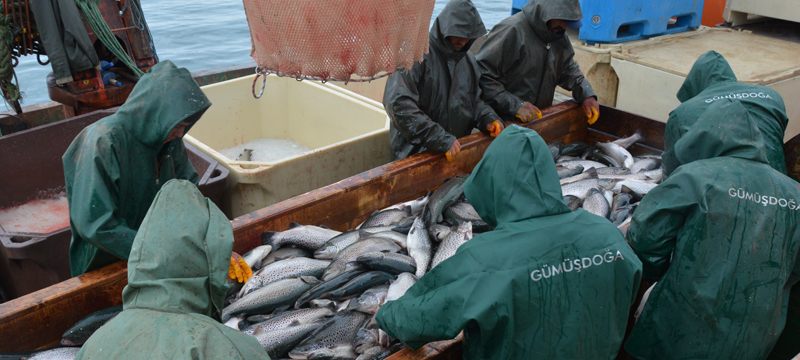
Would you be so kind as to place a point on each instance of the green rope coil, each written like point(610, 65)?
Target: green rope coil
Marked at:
point(10, 90)
point(91, 10)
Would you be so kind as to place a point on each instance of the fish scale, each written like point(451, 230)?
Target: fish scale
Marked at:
point(450, 245)
point(334, 337)
point(268, 298)
point(352, 252)
point(419, 246)
point(284, 269)
point(305, 236)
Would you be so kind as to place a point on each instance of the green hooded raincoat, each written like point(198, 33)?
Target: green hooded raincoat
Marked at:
point(721, 236)
point(439, 99)
point(710, 80)
point(177, 273)
point(547, 283)
point(522, 60)
point(115, 167)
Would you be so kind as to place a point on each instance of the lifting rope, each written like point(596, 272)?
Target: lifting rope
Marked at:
point(103, 32)
point(7, 76)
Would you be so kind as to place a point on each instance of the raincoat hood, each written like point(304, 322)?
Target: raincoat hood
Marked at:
point(709, 69)
point(181, 254)
point(724, 129)
point(458, 18)
point(539, 12)
point(163, 98)
point(516, 179)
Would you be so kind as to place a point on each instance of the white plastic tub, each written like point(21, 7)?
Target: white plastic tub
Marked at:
point(346, 134)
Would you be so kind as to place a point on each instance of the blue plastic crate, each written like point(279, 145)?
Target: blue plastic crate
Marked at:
point(613, 21)
point(517, 5)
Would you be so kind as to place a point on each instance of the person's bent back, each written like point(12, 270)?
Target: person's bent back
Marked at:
point(547, 283)
point(176, 287)
point(721, 237)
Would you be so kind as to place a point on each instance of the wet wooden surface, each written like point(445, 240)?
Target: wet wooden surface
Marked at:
point(37, 320)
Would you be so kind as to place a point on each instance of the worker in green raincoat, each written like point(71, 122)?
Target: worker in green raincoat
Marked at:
point(438, 100)
point(711, 80)
point(176, 287)
point(547, 283)
point(115, 167)
point(527, 55)
point(721, 235)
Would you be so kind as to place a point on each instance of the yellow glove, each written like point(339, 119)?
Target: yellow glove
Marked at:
point(592, 109)
point(528, 112)
point(495, 128)
point(239, 270)
point(450, 155)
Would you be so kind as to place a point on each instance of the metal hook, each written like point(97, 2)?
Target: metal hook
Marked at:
point(263, 84)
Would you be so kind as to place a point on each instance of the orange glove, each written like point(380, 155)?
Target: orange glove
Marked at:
point(495, 128)
point(454, 149)
point(592, 109)
point(528, 112)
point(239, 270)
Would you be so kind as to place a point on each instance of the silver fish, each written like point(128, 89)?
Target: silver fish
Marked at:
point(338, 243)
point(283, 254)
point(461, 212)
point(61, 353)
point(352, 252)
point(392, 263)
point(609, 195)
point(334, 339)
point(606, 171)
point(581, 188)
point(630, 140)
point(419, 246)
point(625, 225)
point(366, 338)
point(566, 171)
point(386, 217)
point(268, 298)
point(604, 158)
point(235, 322)
point(327, 286)
point(254, 257)
point(639, 176)
point(437, 232)
point(640, 188)
point(369, 301)
point(596, 203)
point(284, 269)
point(278, 343)
point(655, 175)
point(399, 238)
point(305, 236)
point(588, 174)
point(619, 153)
point(416, 205)
point(359, 284)
point(586, 164)
point(285, 319)
point(445, 195)
point(399, 287)
point(453, 241)
point(573, 202)
point(642, 164)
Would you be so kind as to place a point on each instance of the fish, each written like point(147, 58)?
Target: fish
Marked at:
point(416, 206)
point(574, 149)
point(278, 343)
point(612, 171)
point(581, 188)
point(618, 153)
point(392, 263)
point(388, 217)
point(586, 164)
point(440, 199)
point(285, 319)
point(352, 252)
point(399, 287)
point(374, 353)
point(625, 225)
point(270, 297)
point(588, 174)
point(645, 164)
point(621, 200)
point(366, 338)
point(609, 195)
point(333, 339)
point(398, 238)
point(305, 236)
point(83, 329)
point(655, 175)
point(59, 353)
point(419, 246)
point(555, 150)
point(596, 203)
point(369, 301)
point(604, 158)
point(284, 269)
point(437, 232)
point(285, 253)
point(338, 243)
point(450, 244)
point(359, 284)
point(639, 188)
point(254, 257)
point(573, 202)
point(462, 212)
point(327, 286)
point(619, 215)
point(566, 171)
point(630, 140)
point(235, 322)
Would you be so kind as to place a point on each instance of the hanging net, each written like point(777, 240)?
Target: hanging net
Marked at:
point(346, 40)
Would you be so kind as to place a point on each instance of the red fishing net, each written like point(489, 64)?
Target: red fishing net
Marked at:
point(347, 40)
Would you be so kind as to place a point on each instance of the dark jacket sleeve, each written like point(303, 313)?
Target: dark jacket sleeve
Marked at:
point(572, 79)
point(494, 60)
point(401, 101)
point(657, 221)
point(184, 169)
point(94, 202)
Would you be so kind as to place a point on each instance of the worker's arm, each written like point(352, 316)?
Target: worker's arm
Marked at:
point(401, 100)
point(672, 133)
point(485, 115)
point(94, 201)
point(571, 77)
point(436, 307)
point(184, 169)
point(495, 59)
point(657, 221)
